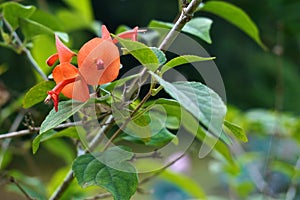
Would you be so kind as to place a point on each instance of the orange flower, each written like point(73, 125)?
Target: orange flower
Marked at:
point(98, 63)
point(64, 54)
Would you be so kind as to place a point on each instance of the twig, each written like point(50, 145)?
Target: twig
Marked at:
point(69, 177)
point(5, 144)
point(186, 16)
point(127, 120)
point(183, 19)
point(155, 154)
point(25, 50)
point(13, 180)
point(61, 189)
point(161, 170)
point(97, 138)
point(32, 130)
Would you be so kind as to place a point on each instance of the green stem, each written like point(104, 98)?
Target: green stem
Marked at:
point(25, 50)
point(185, 16)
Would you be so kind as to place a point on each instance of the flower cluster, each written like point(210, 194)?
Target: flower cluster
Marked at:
point(98, 63)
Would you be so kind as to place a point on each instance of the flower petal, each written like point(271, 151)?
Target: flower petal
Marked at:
point(52, 59)
point(131, 34)
point(78, 88)
point(98, 51)
point(105, 33)
point(63, 72)
point(64, 53)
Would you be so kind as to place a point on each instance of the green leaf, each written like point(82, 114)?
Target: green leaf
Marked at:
point(91, 170)
point(43, 47)
point(237, 131)
point(71, 132)
point(84, 7)
point(236, 16)
point(202, 102)
point(33, 186)
point(161, 138)
point(65, 110)
point(81, 9)
point(142, 53)
point(30, 29)
point(119, 82)
point(185, 183)
point(160, 55)
point(47, 19)
point(12, 11)
point(198, 27)
point(189, 122)
point(185, 59)
point(37, 93)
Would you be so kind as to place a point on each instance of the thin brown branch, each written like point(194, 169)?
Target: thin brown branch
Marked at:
point(157, 173)
point(13, 180)
point(186, 15)
point(183, 19)
point(32, 130)
point(127, 120)
point(69, 177)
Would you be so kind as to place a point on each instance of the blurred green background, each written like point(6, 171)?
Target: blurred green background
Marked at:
point(253, 78)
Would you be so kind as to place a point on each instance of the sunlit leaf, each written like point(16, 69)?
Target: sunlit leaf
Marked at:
point(236, 16)
point(142, 53)
point(191, 124)
point(199, 27)
point(71, 132)
point(46, 19)
point(30, 29)
point(91, 170)
point(84, 7)
point(12, 11)
point(202, 102)
point(237, 131)
point(43, 47)
point(65, 110)
point(80, 9)
point(37, 93)
point(180, 60)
